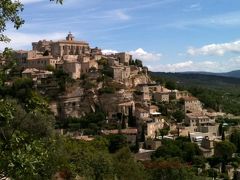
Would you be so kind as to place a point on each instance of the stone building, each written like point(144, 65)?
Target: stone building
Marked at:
point(161, 96)
point(124, 58)
point(69, 46)
point(35, 59)
point(36, 74)
point(144, 90)
point(153, 126)
point(72, 68)
point(120, 73)
point(192, 104)
point(201, 123)
point(176, 94)
point(142, 113)
point(96, 54)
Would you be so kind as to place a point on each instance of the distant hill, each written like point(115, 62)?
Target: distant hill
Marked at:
point(235, 73)
point(203, 79)
point(219, 92)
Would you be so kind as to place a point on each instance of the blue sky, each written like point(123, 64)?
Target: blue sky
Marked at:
point(168, 35)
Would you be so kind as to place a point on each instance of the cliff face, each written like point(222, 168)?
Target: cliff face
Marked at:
point(141, 79)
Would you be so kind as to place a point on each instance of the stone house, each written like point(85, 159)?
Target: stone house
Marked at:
point(207, 147)
point(87, 66)
point(176, 94)
point(161, 96)
point(120, 73)
point(124, 58)
point(152, 126)
point(201, 123)
point(32, 59)
point(144, 89)
point(142, 113)
point(36, 74)
point(192, 104)
point(72, 68)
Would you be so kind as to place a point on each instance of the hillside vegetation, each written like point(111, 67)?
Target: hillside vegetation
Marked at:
point(216, 92)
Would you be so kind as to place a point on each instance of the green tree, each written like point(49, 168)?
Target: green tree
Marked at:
point(163, 132)
point(224, 150)
point(171, 169)
point(179, 115)
point(170, 84)
point(125, 167)
point(168, 150)
point(235, 139)
point(116, 142)
point(138, 63)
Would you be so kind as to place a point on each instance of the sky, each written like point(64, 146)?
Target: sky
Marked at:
point(167, 35)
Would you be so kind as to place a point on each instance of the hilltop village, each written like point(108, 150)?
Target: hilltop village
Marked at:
point(91, 93)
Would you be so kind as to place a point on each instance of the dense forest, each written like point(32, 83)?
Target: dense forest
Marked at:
point(216, 92)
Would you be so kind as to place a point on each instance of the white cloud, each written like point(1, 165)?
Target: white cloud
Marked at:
point(145, 56)
point(117, 14)
point(138, 54)
point(176, 67)
point(210, 66)
point(109, 51)
point(24, 40)
point(216, 49)
point(193, 7)
point(122, 15)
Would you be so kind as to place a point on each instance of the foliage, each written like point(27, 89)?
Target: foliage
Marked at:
point(92, 123)
point(24, 140)
point(163, 132)
point(235, 139)
point(171, 169)
point(180, 148)
point(126, 167)
point(179, 115)
point(116, 142)
point(62, 78)
point(224, 151)
point(216, 92)
point(88, 85)
point(170, 85)
point(22, 158)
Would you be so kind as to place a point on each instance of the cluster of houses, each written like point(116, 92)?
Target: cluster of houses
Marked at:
point(138, 97)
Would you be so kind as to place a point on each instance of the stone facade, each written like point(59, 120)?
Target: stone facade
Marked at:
point(36, 74)
point(124, 58)
point(175, 94)
point(161, 97)
point(192, 104)
point(121, 73)
point(62, 47)
point(153, 126)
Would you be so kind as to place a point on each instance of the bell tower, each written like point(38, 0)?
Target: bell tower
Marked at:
point(70, 37)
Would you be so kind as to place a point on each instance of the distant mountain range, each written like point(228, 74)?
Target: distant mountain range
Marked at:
point(225, 81)
point(235, 74)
